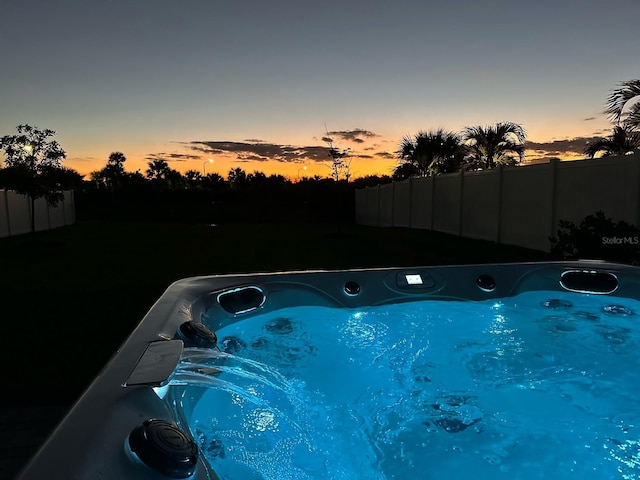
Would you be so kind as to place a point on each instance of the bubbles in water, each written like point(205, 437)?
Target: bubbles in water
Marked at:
point(618, 310)
point(557, 304)
point(626, 454)
point(233, 345)
point(581, 315)
point(251, 422)
point(493, 459)
point(614, 335)
point(558, 324)
point(359, 333)
point(279, 326)
point(283, 350)
point(455, 413)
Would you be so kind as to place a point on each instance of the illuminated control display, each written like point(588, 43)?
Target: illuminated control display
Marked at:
point(414, 280)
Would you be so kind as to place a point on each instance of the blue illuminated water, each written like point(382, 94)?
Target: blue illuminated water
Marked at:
point(542, 385)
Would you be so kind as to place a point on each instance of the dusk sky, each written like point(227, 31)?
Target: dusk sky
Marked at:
point(252, 83)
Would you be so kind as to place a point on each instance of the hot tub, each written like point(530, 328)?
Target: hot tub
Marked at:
point(496, 371)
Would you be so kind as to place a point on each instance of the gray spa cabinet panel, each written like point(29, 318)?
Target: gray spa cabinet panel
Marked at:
point(156, 364)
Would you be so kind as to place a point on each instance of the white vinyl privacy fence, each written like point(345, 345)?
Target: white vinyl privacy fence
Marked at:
point(511, 205)
point(15, 213)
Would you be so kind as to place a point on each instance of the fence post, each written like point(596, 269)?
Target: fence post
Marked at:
point(433, 198)
point(636, 187)
point(31, 207)
point(378, 220)
point(48, 216)
point(393, 204)
point(553, 171)
point(64, 209)
point(499, 212)
point(410, 202)
point(73, 206)
point(6, 211)
point(460, 203)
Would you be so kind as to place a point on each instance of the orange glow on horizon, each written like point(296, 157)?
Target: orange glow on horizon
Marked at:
point(290, 170)
point(221, 165)
point(371, 156)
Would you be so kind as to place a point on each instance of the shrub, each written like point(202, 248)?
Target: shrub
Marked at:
point(597, 237)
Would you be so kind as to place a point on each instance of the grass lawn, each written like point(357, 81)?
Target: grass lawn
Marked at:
point(72, 299)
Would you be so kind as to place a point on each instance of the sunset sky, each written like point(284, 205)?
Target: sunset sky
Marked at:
point(254, 83)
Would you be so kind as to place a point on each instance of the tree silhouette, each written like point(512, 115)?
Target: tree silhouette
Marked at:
point(33, 165)
point(175, 180)
point(432, 152)
point(213, 181)
point(494, 145)
point(276, 181)
point(193, 178)
point(97, 178)
point(164, 177)
point(256, 178)
point(113, 174)
point(620, 142)
point(373, 180)
point(623, 105)
point(158, 170)
point(237, 176)
point(116, 160)
point(115, 168)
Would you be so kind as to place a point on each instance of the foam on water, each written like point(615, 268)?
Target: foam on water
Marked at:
point(542, 385)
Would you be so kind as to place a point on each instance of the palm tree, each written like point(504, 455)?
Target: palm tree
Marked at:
point(626, 95)
point(193, 178)
point(113, 173)
point(158, 169)
point(432, 152)
point(213, 181)
point(620, 142)
point(495, 145)
point(116, 160)
point(237, 176)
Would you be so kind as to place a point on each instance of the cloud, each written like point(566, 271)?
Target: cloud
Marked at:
point(83, 159)
point(249, 151)
point(209, 151)
point(356, 135)
point(560, 147)
point(172, 157)
point(262, 151)
point(243, 157)
point(183, 156)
